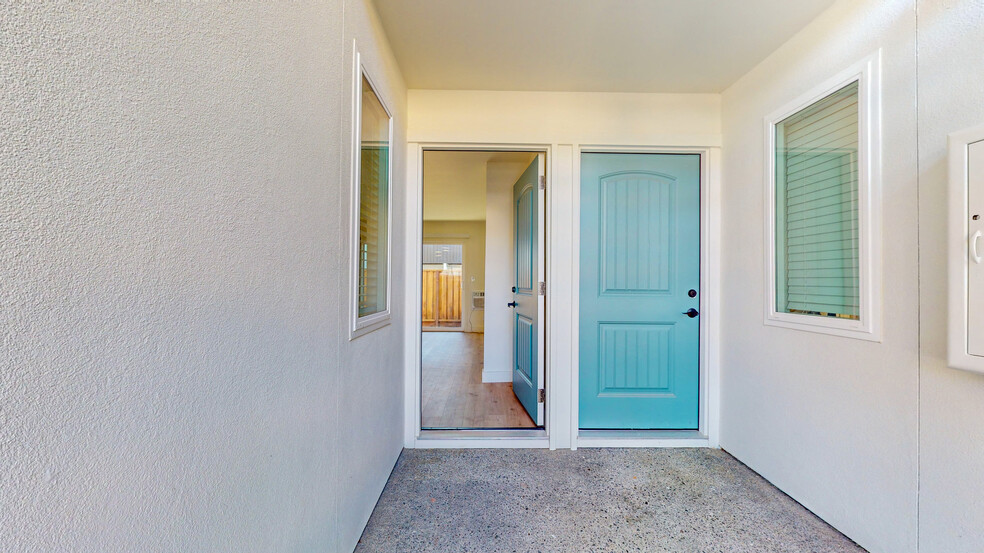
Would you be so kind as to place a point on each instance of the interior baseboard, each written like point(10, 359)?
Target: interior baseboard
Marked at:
point(489, 377)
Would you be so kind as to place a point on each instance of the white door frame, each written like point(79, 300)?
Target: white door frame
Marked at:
point(561, 346)
point(414, 437)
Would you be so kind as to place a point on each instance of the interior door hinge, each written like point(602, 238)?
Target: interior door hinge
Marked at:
point(542, 397)
point(543, 182)
point(543, 288)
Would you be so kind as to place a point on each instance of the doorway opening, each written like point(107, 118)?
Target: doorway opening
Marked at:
point(482, 306)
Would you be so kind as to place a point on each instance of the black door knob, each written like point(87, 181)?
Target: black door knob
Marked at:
point(692, 293)
point(691, 313)
point(512, 304)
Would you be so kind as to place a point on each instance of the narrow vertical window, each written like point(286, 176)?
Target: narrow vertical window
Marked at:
point(373, 193)
point(817, 198)
point(823, 207)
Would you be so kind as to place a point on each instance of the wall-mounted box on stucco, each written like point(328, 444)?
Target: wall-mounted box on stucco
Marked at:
point(966, 250)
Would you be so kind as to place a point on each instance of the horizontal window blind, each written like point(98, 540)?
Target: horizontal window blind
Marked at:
point(372, 223)
point(373, 204)
point(436, 254)
point(817, 196)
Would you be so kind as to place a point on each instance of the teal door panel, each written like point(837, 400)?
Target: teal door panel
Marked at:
point(525, 302)
point(639, 267)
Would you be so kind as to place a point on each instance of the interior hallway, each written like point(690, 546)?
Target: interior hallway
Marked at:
point(666, 500)
point(453, 395)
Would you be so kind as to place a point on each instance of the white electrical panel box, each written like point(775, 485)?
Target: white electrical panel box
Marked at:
point(975, 245)
point(966, 250)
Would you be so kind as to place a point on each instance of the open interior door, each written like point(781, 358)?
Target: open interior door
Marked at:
point(529, 289)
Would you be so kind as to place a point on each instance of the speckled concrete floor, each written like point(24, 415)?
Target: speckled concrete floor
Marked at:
point(589, 500)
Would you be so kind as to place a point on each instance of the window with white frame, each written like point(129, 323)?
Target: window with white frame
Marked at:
point(822, 190)
point(371, 209)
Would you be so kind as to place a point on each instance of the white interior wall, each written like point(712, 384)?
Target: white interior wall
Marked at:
point(831, 421)
point(176, 373)
point(499, 270)
point(471, 235)
point(951, 407)
point(455, 189)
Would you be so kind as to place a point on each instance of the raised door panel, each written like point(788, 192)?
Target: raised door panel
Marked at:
point(635, 359)
point(636, 218)
point(526, 240)
point(525, 348)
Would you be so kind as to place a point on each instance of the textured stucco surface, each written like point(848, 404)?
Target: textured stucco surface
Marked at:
point(175, 371)
point(787, 407)
point(951, 438)
point(589, 500)
point(831, 421)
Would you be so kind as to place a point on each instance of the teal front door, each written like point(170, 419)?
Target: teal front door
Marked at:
point(639, 291)
point(527, 303)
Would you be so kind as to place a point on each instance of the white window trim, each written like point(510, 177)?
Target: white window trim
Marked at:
point(867, 73)
point(364, 325)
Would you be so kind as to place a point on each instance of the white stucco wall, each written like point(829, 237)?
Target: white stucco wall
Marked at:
point(951, 407)
point(369, 414)
point(831, 421)
point(175, 371)
point(499, 270)
point(175, 368)
point(564, 117)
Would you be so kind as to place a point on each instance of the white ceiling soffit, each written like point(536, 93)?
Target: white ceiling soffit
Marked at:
point(588, 45)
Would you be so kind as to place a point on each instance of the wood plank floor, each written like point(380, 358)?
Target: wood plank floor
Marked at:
point(452, 392)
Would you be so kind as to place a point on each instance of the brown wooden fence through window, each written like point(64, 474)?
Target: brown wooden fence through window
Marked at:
point(441, 298)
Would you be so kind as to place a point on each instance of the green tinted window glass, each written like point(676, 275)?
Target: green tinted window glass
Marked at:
point(817, 175)
point(373, 203)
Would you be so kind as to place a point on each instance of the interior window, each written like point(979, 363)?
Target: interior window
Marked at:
point(441, 286)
